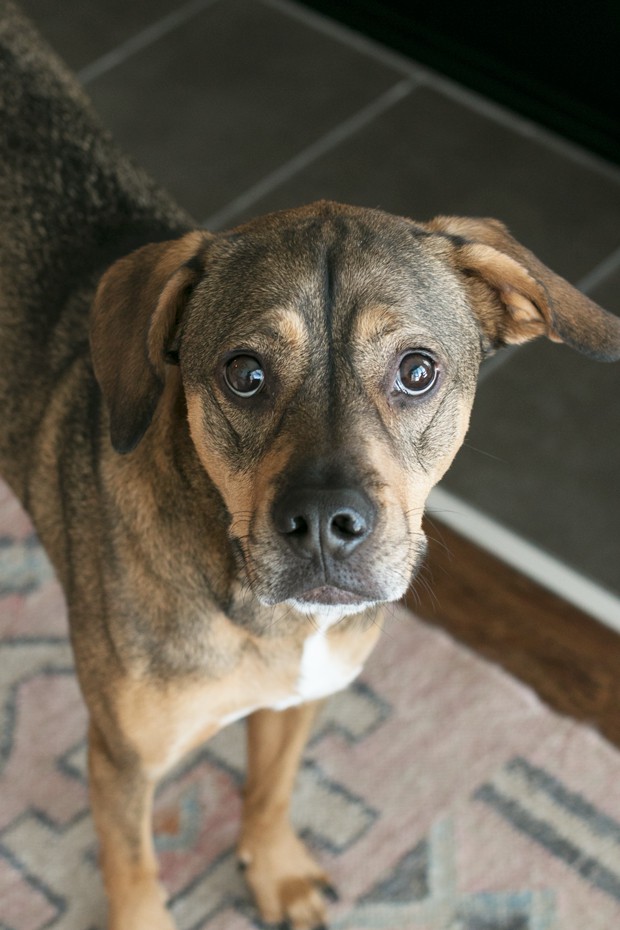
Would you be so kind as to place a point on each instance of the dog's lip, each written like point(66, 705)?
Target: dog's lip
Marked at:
point(327, 594)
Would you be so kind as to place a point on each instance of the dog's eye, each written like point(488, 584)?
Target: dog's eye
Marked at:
point(244, 375)
point(417, 374)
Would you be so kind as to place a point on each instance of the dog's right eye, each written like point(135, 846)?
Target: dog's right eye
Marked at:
point(244, 375)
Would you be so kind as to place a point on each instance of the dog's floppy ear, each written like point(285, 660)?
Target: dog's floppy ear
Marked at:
point(531, 300)
point(135, 313)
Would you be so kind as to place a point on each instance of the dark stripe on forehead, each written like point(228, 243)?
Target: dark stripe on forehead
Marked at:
point(330, 293)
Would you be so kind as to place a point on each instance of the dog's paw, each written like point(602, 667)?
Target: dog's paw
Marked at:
point(288, 885)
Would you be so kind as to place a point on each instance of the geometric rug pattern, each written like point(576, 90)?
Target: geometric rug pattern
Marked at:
point(437, 791)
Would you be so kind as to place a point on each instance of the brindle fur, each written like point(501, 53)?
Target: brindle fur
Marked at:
point(153, 488)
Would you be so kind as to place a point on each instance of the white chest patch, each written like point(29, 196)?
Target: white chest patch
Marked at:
point(321, 672)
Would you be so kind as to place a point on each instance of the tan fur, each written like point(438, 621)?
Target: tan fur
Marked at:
point(248, 492)
point(285, 879)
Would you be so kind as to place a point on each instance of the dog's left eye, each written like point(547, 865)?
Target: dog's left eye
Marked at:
point(244, 375)
point(417, 374)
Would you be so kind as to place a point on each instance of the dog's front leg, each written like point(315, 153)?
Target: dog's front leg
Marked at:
point(121, 798)
point(283, 876)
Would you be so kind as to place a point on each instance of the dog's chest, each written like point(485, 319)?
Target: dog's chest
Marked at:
point(168, 721)
point(320, 668)
point(322, 671)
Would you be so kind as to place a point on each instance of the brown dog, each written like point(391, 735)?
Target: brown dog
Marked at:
point(228, 459)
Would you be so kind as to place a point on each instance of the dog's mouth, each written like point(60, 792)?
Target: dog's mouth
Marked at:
point(329, 595)
point(330, 604)
point(346, 586)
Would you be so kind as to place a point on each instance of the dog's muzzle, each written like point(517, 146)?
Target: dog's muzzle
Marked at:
point(322, 530)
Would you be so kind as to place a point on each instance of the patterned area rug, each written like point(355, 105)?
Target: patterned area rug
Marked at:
point(438, 792)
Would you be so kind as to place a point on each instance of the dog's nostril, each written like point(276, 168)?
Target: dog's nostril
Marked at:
point(298, 526)
point(348, 525)
point(291, 523)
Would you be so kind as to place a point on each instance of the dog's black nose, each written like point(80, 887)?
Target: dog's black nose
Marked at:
point(331, 522)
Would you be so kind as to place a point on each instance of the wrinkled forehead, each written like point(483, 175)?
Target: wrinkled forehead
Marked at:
point(345, 275)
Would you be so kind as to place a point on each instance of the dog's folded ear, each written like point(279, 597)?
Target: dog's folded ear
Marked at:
point(134, 318)
point(528, 299)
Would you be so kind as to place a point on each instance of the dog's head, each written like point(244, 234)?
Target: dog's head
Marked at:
point(328, 360)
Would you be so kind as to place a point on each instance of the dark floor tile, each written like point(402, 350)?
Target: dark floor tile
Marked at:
point(230, 96)
point(429, 155)
point(82, 30)
point(543, 456)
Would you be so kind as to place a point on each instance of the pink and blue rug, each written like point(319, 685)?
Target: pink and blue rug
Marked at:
point(439, 793)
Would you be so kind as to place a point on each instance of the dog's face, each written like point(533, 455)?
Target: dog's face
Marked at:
point(328, 358)
point(326, 395)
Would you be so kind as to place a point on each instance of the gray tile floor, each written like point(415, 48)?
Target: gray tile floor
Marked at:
point(243, 106)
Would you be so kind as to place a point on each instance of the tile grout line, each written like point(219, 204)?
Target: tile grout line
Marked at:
point(470, 98)
point(600, 272)
point(527, 558)
point(345, 35)
point(143, 39)
point(307, 156)
point(524, 127)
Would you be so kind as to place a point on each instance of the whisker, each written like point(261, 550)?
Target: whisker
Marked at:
point(489, 455)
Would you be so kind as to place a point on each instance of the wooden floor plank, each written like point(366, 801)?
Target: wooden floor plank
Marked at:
point(570, 659)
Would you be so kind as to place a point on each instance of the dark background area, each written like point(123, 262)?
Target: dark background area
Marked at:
point(555, 62)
